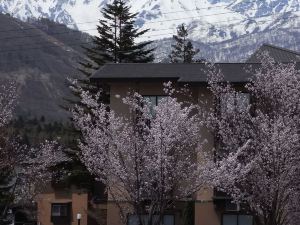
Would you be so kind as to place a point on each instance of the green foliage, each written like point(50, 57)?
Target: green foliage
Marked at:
point(115, 42)
point(34, 131)
point(183, 50)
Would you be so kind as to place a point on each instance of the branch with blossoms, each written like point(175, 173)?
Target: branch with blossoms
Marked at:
point(29, 169)
point(8, 98)
point(257, 155)
point(35, 171)
point(148, 159)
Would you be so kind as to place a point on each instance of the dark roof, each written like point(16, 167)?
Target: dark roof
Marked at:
point(196, 72)
point(233, 72)
point(277, 53)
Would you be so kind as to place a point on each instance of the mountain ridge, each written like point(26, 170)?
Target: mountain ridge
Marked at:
point(39, 63)
point(209, 21)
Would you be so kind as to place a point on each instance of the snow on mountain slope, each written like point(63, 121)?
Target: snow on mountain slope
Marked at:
point(209, 21)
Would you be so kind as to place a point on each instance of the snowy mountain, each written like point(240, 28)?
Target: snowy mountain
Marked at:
point(209, 21)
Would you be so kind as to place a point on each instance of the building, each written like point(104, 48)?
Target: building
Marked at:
point(210, 207)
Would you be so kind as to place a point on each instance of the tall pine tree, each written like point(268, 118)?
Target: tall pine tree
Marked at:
point(116, 42)
point(183, 50)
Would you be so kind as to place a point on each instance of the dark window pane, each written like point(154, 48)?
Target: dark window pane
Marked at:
point(152, 102)
point(61, 213)
point(242, 101)
point(63, 210)
point(231, 102)
point(169, 220)
point(133, 220)
point(55, 210)
point(159, 98)
point(245, 220)
point(230, 219)
point(227, 103)
point(231, 206)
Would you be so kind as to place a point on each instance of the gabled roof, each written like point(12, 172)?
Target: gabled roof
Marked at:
point(277, 53)
point(196, 72)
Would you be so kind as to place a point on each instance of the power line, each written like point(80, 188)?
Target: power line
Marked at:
point(39, 60)
point(60, 33)
point(44, 42)
point(231, 25)
point(152, 21)
point(42, 35)
point(90, 42)
point(162, 13)
point(50, 46)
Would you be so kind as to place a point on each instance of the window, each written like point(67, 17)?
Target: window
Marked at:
point(237, 219)
point(61, 213)
point(153, 101)
point(59, 210)
point(167, 220)
point(234, 102)
point(231, 206)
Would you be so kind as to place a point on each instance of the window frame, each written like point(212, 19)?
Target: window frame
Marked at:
point(59, 218)
point(151, 107)
point(236, 106)
point(156, 97)
point(237, 214)
point(218, 111)
point(167, 214)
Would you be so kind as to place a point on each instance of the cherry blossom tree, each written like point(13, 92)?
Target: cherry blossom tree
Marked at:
point(24, 170)
point(147, 159)
point(257, 140)
point(8, 98)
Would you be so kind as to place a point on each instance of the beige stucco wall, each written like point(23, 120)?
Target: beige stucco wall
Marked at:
point(79, 205)
point(205, 214)
point(120, 90)
point(113, 214)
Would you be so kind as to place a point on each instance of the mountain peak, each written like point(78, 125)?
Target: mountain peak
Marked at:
point(209, 20)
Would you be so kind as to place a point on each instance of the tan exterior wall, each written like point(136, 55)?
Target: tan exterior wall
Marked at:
point(120, 90)
point(205, 214)
point(113, 215)
point(79, 205)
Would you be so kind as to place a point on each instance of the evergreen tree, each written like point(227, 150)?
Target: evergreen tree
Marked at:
point(116, 40)
point(183, 50)
point(115, 43)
